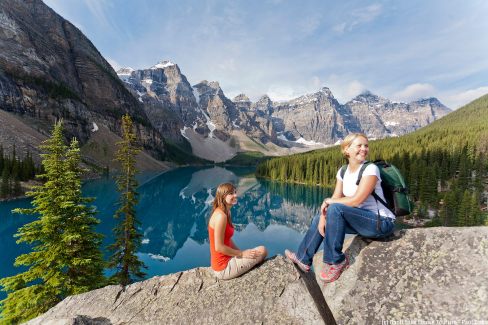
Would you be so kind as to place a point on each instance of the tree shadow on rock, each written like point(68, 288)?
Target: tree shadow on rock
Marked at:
point(86, 320)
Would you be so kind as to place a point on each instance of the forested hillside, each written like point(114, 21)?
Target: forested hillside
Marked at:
point(445, 165)
point(15, 170)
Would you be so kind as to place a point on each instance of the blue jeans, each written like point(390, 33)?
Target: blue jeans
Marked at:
point(341, 220)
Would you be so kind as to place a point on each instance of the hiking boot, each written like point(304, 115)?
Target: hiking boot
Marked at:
point(332, 272)
point(292, 257)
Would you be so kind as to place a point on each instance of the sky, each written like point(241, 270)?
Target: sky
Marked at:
point(399, 49)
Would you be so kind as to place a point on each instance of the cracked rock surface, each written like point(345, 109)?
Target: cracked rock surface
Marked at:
point(428, 275)
point(272, 293)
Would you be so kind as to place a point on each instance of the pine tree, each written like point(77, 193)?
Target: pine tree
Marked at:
point(65, 257)
point(17, 187)
point(127, 237)
point(4, 184)
point(2, 158)
point(464, 210)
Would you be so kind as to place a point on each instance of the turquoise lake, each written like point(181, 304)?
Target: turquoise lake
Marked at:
point(174, 209)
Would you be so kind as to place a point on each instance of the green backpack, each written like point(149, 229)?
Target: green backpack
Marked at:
point(393, 185)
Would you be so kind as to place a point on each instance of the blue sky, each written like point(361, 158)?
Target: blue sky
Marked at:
point(402, 50)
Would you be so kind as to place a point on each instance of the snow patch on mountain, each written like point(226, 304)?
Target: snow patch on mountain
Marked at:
point(211, 126)
point(163, 64)
point(308, 142)
point(301, 140)
point(183, 133)
point(196, 94)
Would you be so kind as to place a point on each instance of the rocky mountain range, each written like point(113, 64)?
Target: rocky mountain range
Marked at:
point(50, 70)
point(203, 112)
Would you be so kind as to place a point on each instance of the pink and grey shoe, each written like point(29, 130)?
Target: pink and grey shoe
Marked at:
point(292, 257)
point(332, 272)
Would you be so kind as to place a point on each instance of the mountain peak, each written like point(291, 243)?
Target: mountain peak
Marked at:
point(241, 98)
point(125, 71)
point(429, 101)
point(206, 87)
point(367, 96)
point(211, 84)
point(326, 91)
point(367, 93)
point(163, 64)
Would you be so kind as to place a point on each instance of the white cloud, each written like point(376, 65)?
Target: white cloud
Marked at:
point(354, 88)
point(344, 87)
point(310, 24)
point(414, 91)
point(358, 17)
point(283, 92)
point(114, 64)
point(316, 82)
point(457, 100)
point(228, 65)
point(340, 28)
point(367, 14)
point(98, 9)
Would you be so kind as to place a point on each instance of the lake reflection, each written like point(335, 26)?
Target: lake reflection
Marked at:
point(174, 208)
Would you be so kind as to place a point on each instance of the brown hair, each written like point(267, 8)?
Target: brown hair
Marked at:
point(219, 201)
point(348, 140)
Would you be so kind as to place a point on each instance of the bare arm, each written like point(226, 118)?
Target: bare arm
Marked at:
point(365, 188)
point(219, 224)
point(336, 195)
point(233, 245)
point(338, 190)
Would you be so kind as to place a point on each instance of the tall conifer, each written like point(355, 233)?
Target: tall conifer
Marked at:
point(65, 257)
point(4, 183)
point(127, 237)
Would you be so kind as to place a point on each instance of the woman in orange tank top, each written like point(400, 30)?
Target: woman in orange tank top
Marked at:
point(227, 260)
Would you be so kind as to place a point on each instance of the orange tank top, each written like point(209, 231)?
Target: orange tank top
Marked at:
point(218, 260)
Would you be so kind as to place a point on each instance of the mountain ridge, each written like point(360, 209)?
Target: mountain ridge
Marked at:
point(50, 70)
point(307, 122)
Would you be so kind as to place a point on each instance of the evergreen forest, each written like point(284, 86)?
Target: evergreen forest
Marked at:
point(15, 170)
point(445, 165)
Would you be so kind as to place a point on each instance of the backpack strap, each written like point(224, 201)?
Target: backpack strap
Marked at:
point(361, 171)
point(343, 171)
point(378, 198)
point(360, 175)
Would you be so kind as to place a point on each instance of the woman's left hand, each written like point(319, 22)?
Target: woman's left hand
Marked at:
point(323, 207)
point(321, 225)
point(250, 253)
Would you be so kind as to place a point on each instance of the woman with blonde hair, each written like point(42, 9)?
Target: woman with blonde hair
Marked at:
point(352, 209)
point(227, 260)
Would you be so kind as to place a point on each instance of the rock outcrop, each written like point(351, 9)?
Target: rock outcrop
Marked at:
point(425, 274)
point(274, 293)
point(420, 275)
